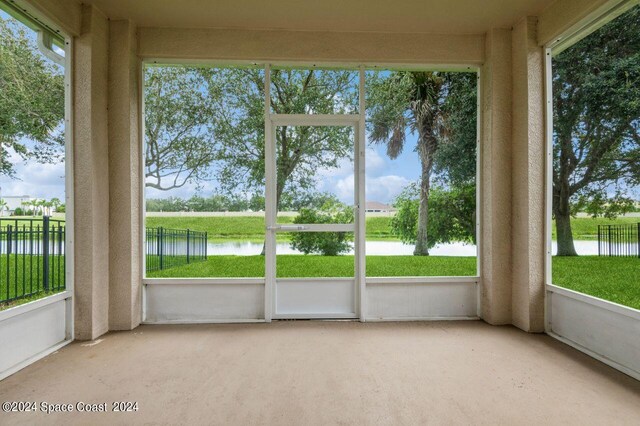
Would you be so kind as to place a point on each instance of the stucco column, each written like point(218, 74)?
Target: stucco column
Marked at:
point(528, 178)
point(124, 178)
point(495, 177)
point(91, 176)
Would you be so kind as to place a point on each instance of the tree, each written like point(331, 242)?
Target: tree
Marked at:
point(440, 108)
point(33, 204)
point(204, 123)
point(596, 100)
point(48, 207)
point(31, 100)
point(311, 199)
point(324, 243)
point(301, 151)
point(55, 203)
point(3, 206)
point(451, 212)
point(40, 205)
point(179, 139)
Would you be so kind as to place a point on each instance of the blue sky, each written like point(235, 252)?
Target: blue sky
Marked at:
point(385, 178)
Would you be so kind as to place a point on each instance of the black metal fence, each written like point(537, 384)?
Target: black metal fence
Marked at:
point(31, 257)
point(166, 248)
point(619, 240)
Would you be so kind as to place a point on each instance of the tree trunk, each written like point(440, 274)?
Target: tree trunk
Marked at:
point(562, 213)
point(422, 246)
point(565, 236)
point(561, 198)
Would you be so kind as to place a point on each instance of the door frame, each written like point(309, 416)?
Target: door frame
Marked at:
point(357, 122)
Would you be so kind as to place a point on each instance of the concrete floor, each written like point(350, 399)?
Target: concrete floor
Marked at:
point(302, 373)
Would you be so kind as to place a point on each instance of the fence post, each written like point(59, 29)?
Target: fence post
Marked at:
point(9, 229)
point(45, 253)
point(160, 238)
point(187, 246)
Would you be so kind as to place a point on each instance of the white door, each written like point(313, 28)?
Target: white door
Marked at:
point(304, 286)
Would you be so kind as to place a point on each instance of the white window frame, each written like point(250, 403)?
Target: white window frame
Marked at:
point(362, 283)
point(68, 294)
point(586, 333)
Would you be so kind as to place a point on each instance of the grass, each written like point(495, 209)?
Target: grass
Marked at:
point(616, 279)
point(586, 228)
point(251, 228)
point(312, 266)
point(25, 277)
point(219, 227)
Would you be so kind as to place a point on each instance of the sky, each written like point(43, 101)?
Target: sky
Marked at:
point(385, 178)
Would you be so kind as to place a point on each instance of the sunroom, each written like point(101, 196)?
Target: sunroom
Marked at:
point(276, 207)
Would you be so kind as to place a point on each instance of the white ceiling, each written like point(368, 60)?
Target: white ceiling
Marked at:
point(407, 16)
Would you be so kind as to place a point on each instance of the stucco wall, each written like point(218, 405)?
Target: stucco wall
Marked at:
point(350, 47)
point(495, 178)
point(563, 15)
point(63, 14)
point(124, 178)
point(91, 180)
point(528, 176)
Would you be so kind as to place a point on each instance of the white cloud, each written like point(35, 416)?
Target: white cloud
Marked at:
point(382, 188)
point(35, 179)
point(385, 188)
point(375, 164)
point(344, 189)
point(345, 166)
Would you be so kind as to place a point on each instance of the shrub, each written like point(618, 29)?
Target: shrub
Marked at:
point(18, 212)
point(324, 243)
point(451, 215)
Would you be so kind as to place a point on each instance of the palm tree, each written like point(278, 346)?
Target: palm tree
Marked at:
point(47, 207)
point(39, 207)
point(407, 102)
point(3, 206)
point(55, 203)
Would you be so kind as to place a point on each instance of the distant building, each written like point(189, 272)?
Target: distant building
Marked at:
point(14, 202)
point(378, 207)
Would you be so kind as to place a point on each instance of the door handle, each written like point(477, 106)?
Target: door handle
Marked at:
point(286, 228)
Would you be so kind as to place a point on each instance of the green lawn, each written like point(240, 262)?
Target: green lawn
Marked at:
point(250, 228)
point(586, 228)
point(25, 277)
point(218, 227)
point(289, 266)
point(614, 279)
point(611, 278)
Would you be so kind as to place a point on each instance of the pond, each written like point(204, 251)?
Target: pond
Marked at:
point(376, 248)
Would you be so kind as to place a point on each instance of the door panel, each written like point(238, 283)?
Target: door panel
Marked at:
point(312, 260)
point(315, 298)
